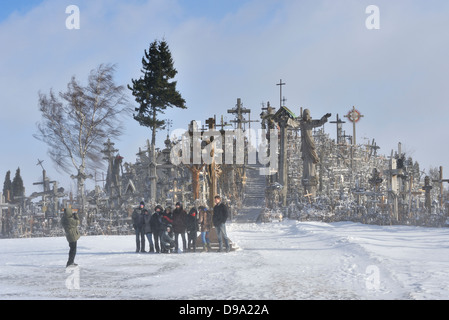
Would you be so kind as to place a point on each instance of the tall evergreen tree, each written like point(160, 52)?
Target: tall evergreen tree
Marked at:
point(7, 186)
point(18, 190)
point(154, 91)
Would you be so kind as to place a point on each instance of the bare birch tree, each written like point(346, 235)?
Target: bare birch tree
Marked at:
point(77, 122)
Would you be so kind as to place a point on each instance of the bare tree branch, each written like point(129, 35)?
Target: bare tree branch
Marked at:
point(77, 122)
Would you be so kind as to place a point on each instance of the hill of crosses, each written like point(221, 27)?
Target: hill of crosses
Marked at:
point(288, 167)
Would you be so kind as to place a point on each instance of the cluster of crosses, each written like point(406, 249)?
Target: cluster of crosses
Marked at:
point(337, 177)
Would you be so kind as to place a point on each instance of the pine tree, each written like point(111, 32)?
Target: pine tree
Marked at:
point(7, 186)
point(153, 91)
point(18, 190)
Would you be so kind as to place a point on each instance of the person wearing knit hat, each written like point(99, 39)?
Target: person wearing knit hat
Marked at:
point(156, 226)
point(219, 220)
point(137, 218)
point(179, 226)
point(192, 229)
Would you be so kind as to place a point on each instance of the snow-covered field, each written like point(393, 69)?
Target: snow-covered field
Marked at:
point(288, 260)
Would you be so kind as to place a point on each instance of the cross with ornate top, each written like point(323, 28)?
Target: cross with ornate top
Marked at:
point(354, 116)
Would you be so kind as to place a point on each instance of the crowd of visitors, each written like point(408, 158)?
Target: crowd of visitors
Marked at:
point(164, 229)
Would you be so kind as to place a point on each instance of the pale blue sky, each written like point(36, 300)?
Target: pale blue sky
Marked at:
point(8, 7)
point(396, 76)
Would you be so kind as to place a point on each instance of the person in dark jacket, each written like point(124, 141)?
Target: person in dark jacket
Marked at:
point(137, 218)
point(70, 222)
point(192, 229)
point(219, 220)
point(179, 225)
point(166, 219)
point(156, 224)
point(147, 229)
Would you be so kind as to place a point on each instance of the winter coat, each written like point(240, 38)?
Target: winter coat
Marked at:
point(137, 218)
point(155, 222)
point(166, 220)
point(179, 220)
point(205, 221)
point(146, 219)
point(220, 214)
point(192, 221)
point(70, 224)
point(167, 239)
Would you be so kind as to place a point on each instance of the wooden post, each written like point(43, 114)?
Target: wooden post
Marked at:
point(283, 170)
point(441, 181)
point(427, 187)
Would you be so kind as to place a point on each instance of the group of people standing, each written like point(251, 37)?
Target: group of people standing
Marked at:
point(162, 228)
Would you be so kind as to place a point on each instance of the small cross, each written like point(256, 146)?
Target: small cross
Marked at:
point(39, 163)
point(169, 123)
point(211, 123)
point(308, 197)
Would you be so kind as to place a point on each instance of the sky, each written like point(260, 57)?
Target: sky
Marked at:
point(396, 76)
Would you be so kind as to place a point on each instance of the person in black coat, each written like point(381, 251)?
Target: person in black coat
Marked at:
point(179, 225)
point(147, 230)
point(166, 219)
point(219, 220)
point(192, 229)
point(156, 224)
point(137, 218)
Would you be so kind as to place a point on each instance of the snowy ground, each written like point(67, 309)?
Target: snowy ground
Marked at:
point(288, 260)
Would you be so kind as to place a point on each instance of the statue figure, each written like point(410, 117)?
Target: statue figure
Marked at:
point(308, 150)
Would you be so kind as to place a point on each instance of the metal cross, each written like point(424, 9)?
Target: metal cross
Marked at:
point(39, 163)
point(339, 129)
point(280, 84)
point(354, 116)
